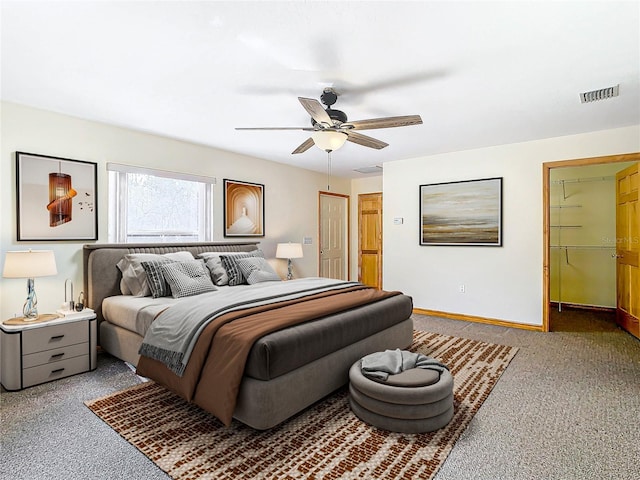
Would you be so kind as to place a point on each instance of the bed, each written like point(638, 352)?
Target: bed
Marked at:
point(286, 369)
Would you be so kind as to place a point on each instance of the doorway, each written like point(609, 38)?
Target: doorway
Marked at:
point(370, 239)
point(334, 235)
point(548, 227)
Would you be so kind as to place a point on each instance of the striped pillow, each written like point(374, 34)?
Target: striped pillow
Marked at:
point(155, 278)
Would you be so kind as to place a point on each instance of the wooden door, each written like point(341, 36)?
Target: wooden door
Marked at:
point(334, 239)
point(370, 239)
point(627, 250)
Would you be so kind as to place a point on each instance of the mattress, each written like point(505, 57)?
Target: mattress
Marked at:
point(282, 351)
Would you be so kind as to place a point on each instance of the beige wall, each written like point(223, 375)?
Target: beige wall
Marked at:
point(291, 194)
point(502, 283)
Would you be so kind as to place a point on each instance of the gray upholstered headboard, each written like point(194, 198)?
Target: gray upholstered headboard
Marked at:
point(102, 277)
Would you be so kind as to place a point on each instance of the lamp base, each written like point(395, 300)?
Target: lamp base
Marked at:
point(289, 269)
point(30, 308)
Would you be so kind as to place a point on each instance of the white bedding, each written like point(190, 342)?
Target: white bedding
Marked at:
point(137, 313)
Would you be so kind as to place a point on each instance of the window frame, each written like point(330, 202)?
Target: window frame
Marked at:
point(119, 202)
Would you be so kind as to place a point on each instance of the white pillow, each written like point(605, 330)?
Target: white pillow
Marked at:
point(133, 274)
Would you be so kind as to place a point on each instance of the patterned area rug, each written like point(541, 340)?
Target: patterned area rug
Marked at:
point(326, 441)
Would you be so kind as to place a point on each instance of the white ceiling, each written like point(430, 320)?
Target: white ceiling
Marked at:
point(479, 73)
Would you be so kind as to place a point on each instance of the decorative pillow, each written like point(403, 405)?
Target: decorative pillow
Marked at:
point(124, 289)
point(257, 270)
point(214, 264)
point(230, 264)
point(187, 278)
point(155, 279)
point(133, 273)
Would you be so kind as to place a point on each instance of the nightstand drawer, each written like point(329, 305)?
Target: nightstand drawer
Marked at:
point(55, 355)
point(55, 336)
point(54, 370)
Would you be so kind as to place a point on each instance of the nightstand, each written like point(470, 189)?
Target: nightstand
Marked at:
point(46, 349)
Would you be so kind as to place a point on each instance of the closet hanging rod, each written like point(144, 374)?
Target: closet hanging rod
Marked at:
point(584, 180)
point(593, 247)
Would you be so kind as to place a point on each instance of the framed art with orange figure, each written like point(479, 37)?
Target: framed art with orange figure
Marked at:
point(56, 198)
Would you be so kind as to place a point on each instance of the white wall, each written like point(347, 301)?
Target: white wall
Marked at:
point(291, 194)
point(501, 282)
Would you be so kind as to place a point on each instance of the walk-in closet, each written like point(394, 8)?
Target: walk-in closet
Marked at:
point(582, 203)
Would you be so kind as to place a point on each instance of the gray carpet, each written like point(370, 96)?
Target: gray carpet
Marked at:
point(566, 408)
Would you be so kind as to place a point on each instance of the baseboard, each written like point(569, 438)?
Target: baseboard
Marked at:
point(472, 318)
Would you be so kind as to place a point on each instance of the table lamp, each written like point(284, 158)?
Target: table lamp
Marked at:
point(289, 251)
point(30, 264)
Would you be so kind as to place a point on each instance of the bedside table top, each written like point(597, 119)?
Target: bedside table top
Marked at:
point(46, 319)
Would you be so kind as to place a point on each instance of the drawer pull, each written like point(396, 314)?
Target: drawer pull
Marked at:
point(58, 370)
point(57, 337)
point(57, 355)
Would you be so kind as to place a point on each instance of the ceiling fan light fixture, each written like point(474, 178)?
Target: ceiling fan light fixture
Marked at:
point(329, 140)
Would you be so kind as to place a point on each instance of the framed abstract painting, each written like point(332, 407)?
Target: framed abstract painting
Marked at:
point(243, 209)
point(56, 198)
point(461, 213)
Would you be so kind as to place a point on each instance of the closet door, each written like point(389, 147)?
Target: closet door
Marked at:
point(628, 250)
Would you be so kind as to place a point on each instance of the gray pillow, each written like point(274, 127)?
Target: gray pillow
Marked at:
point(187, 278)
point(257, 270)
point(133, 273)
point(230, 264)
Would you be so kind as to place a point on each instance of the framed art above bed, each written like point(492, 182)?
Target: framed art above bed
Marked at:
point(468, 212)
point(243, 209)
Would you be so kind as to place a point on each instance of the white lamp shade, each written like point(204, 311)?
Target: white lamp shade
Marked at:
point(289, 250)
point(329, 140)
point(29, 264)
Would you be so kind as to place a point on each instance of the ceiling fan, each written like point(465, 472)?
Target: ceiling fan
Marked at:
point(331, 129)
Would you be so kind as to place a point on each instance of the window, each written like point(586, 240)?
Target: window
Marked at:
point(157, 206)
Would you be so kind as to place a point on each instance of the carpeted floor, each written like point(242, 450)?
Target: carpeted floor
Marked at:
point(326, 441)
point(565, 409)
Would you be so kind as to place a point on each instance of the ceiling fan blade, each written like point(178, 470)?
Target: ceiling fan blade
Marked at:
point(365, 141)
point(304, 146)
point(308, 129)
point(386, 122)
point(314, 108)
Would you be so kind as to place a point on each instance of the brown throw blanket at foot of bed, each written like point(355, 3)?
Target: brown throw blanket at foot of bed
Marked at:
point(213, 375)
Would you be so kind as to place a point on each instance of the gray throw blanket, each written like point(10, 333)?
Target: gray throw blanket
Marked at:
point(172, 336)
point(380, 365)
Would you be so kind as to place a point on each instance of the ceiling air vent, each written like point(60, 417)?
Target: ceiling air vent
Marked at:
point(372, 169)
point(601, 94)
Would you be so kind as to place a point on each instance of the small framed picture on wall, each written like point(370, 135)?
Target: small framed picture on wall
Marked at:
point(243, 209)
point(56, 198)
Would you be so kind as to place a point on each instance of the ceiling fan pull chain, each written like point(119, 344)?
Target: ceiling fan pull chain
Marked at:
point(328, 170)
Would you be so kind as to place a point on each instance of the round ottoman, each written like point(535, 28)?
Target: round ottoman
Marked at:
point(414, 401)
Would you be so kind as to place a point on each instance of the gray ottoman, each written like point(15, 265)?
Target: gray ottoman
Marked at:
point(414, 401)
